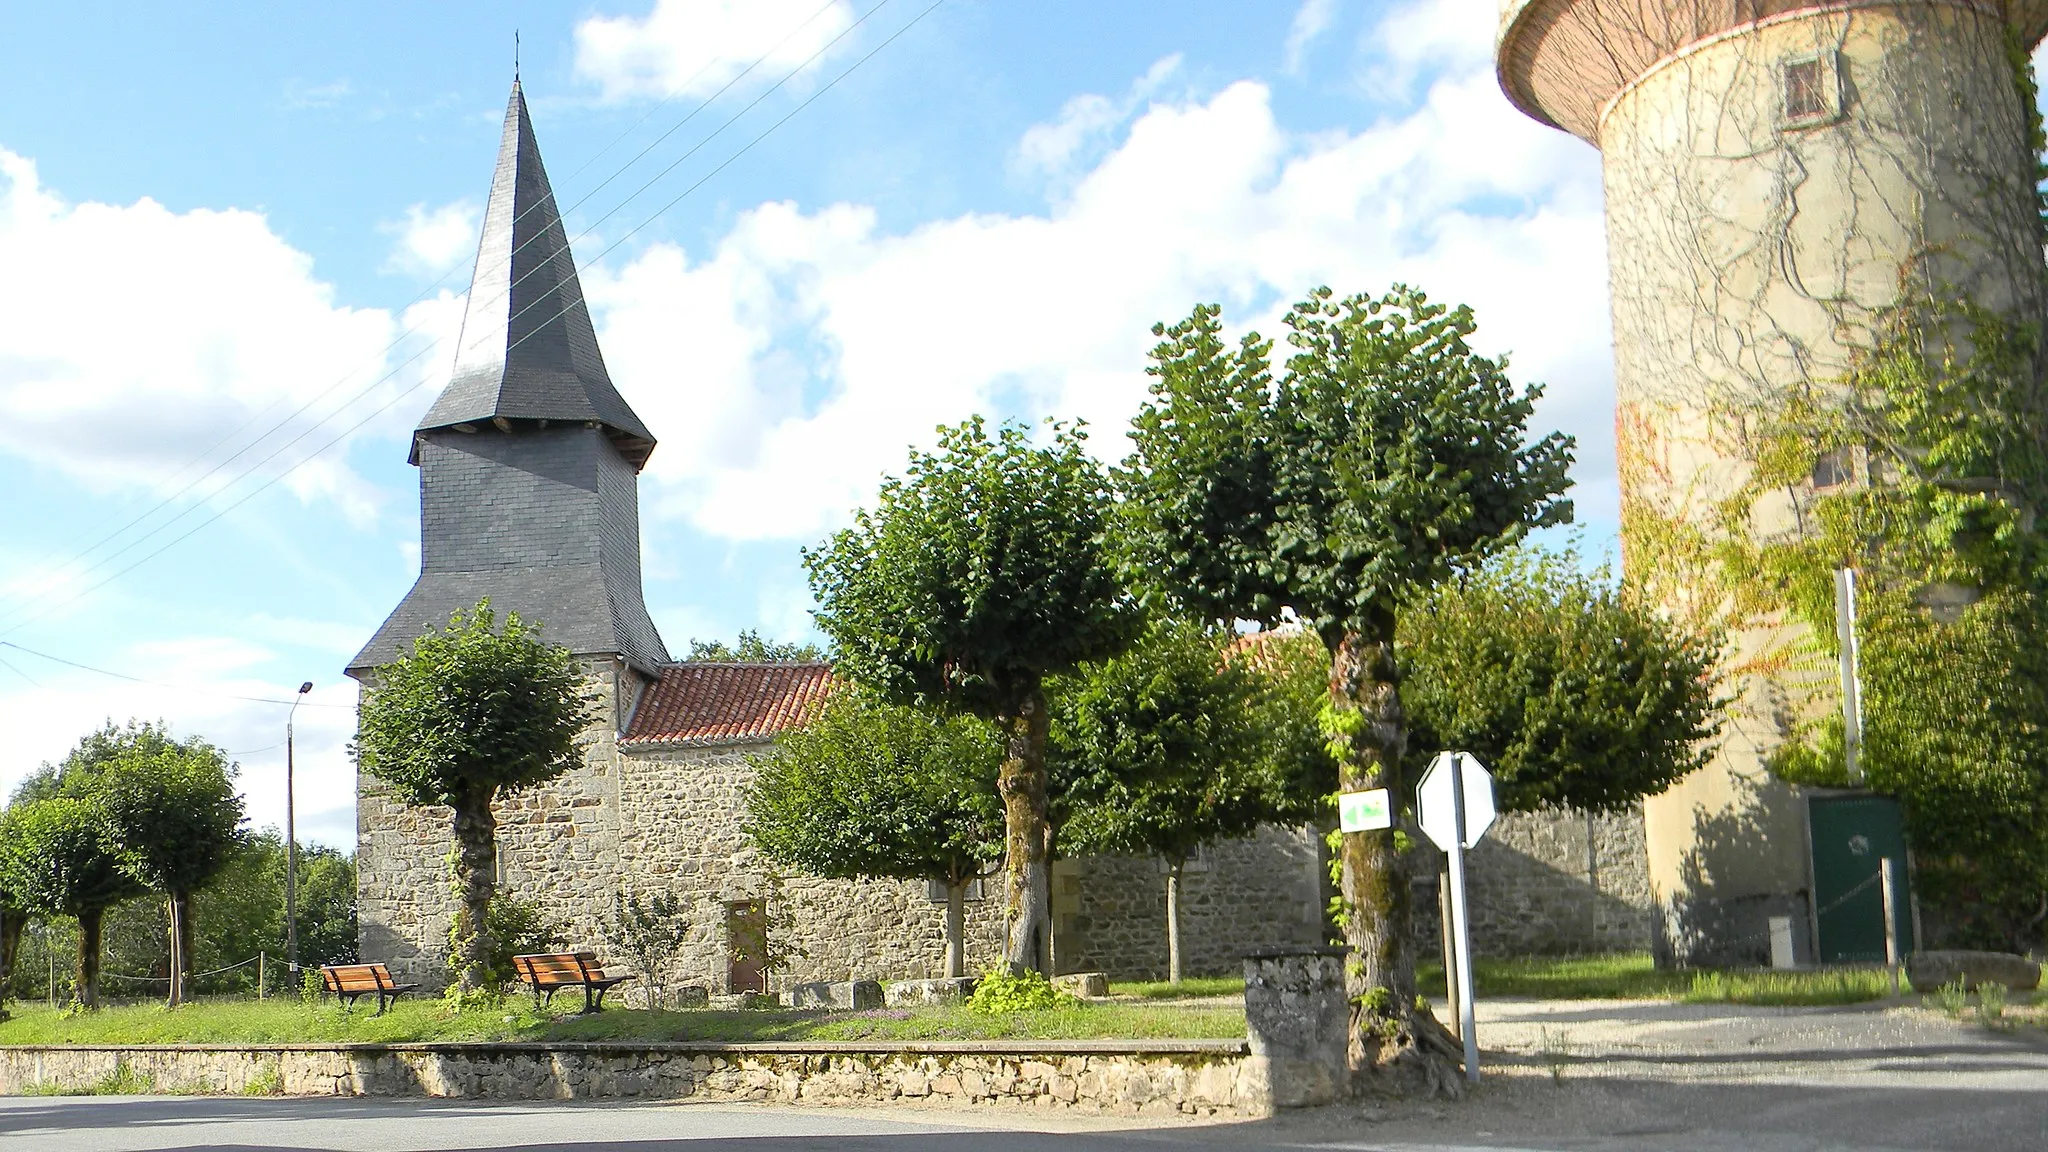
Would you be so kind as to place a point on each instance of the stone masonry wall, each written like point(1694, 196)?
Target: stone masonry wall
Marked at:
point(1548, 883)
point(1264, 891)
point(1154, 1078)
point(669, 818)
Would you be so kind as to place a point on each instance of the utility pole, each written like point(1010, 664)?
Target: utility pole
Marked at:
point(291, 849)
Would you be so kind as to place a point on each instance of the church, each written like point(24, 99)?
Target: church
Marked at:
point(529, 464)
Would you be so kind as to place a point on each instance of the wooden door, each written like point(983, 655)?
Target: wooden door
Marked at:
point(746, 937)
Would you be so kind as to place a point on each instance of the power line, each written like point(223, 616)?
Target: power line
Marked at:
point(585, 266)
point(422, 295)
point(154, 683)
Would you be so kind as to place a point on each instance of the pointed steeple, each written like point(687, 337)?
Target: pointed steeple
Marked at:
point(527, 350)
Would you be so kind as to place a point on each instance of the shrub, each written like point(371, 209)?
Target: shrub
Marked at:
point(1027, 991)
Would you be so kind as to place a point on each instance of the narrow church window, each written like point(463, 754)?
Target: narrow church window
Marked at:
point(1806, 94)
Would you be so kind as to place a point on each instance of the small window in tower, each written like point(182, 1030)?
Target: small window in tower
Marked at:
point(1806, 89)
point(1833, 469)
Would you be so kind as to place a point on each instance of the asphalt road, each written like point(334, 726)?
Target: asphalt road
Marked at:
point(1563, 1077)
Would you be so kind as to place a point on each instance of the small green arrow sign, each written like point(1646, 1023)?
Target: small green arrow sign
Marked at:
point(1364, 811)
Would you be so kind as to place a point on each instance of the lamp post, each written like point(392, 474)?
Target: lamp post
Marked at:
point(291, 847)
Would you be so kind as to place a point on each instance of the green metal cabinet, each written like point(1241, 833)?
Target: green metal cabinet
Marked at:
point(1850, 836)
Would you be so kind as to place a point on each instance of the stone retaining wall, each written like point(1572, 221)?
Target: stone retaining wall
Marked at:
point(1192, 1077)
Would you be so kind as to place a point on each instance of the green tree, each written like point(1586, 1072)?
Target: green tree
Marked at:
point(868, 788)
point(751, 649)
point(13, 920)
point(977, 575)
point(1572, 690)
point(177, 819)
point(61, 857)
point(650, 930)
point(468, 713)
point(1162, 750)
point(1387, 457)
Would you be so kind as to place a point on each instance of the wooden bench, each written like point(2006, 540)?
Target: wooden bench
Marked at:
point(350, 982)
point(550, 972)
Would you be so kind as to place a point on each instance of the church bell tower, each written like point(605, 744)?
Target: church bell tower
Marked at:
point(529, 460)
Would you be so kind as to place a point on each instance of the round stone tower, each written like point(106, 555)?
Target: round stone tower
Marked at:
point(1777, 173)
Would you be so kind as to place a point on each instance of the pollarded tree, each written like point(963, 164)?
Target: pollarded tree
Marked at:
point(60, 856)
point(977, 575)
point(1385, 458)
point(868, 788)
point(1573, 691)
point(1164, 749)
point(177, 819)
point(13, 919)
point(468, 713)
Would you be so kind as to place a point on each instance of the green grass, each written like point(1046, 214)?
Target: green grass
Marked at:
point(1634, 976)
point(1195, 986)
point(284, 1021)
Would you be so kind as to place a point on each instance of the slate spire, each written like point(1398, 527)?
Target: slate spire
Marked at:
point(527, 350)
point(529, 461)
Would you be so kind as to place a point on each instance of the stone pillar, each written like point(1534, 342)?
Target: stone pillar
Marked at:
point(1299, 1021)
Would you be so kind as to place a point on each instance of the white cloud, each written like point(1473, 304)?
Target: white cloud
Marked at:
point(1085, 121)
point(788, 367)
point(45, 721)
point(1311, 20)
point(696, 47)
point(143, 346)
point(434, 241)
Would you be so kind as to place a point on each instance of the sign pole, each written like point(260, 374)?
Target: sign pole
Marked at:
point(1446, 922)
point(1889, 871)
point(1468, 1029)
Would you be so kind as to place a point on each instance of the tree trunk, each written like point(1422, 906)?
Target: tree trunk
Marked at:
point(1027, 834)
point(1173, 871)
point(476, 875)
point(184, 946)
point(86, 985)
point(176, 993)
point(1391, 1035)
point(956, 928)
point(12, 922)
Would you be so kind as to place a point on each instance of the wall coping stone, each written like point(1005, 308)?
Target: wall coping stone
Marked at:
point(1159, 1047)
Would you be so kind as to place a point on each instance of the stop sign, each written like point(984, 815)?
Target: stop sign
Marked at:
point(1436, 799)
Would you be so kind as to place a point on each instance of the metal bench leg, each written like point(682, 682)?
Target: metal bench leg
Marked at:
point(591, 1005)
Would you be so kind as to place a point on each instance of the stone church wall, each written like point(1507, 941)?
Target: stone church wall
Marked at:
point(669, 818)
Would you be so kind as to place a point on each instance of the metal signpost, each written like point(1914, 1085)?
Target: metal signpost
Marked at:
point(1454, 806)
point(1852, 688)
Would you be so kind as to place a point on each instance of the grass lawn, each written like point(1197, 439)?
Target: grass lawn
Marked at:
point(1614, 976)
point(1196, 986)
point(285, 1021)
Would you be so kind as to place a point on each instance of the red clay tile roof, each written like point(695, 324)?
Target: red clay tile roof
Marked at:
point(705, 703)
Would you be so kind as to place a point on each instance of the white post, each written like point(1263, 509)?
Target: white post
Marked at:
point(1468, 1029)
point(1890, 872)
point(1852, 690)
point(1447, 929)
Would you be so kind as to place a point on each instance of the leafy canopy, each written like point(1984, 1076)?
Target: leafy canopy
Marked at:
point(752, 649)
point(473, 709)
point(61, 857)
point(868, 788)
point(1571, 690)
point(174, 812)
point(1164, 748)
point(1386, 457)
point(976, 574)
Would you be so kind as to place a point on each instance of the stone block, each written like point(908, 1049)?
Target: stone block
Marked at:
point(693, 996)
point(1930, 970)
point(842, 995)
point(1298, 1022)
point(1088, 985)
point(950, 990)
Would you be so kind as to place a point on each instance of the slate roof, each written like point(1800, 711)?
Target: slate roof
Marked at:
point(527, 350)
point(700, 704)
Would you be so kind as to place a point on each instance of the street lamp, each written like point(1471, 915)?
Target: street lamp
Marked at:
point(291, 849)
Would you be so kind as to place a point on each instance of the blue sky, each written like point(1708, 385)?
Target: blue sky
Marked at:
point(214, 215)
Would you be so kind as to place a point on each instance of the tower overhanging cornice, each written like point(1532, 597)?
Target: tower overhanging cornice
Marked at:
point(1562, 61)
